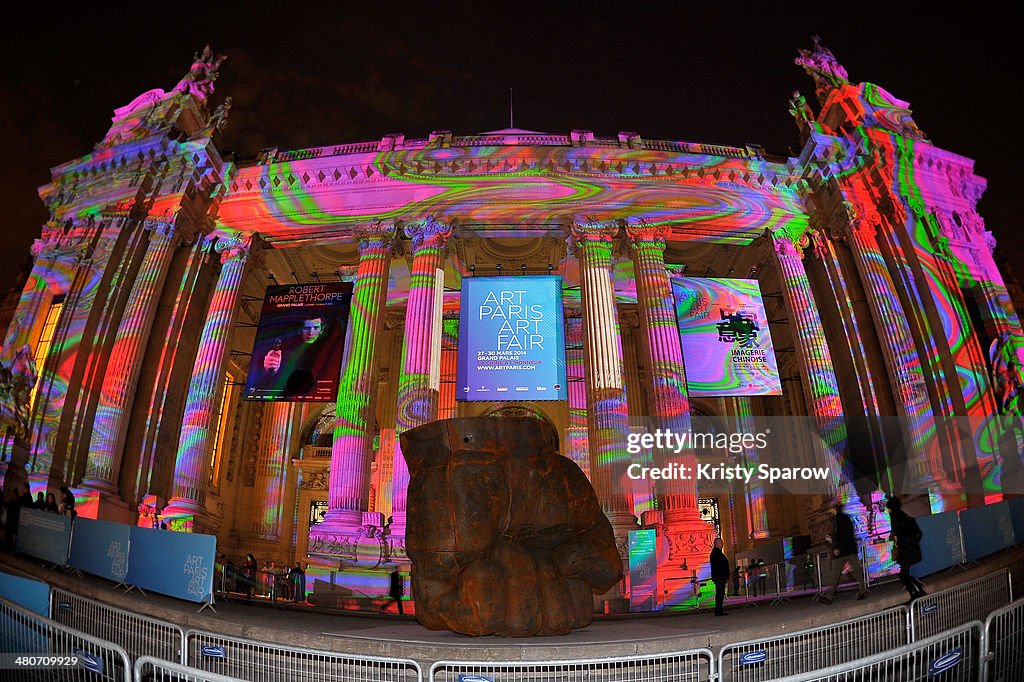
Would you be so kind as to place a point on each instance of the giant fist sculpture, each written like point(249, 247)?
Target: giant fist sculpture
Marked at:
point(505, 535)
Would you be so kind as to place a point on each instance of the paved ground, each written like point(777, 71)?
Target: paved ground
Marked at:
point(391, 635)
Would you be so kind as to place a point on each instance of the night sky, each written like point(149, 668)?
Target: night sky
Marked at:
point(701, 74)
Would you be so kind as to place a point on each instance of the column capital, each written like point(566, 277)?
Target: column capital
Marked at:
point(855, 220)
point(378, 237)
point(170, 228)
point(428, 233)
point(237, 247)
point(590, 229)
point(642, 232)
point(790, 241)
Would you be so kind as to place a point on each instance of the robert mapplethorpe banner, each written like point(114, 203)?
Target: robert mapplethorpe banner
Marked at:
point(727, 348)
point(511, 339)
point(299, 343)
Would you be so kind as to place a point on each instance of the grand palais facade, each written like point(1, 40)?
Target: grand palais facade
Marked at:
point(126, 361)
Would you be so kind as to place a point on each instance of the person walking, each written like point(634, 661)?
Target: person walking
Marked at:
point(396, 590)
point(719, 575)
point(249, 570)
point(907, 535)
point(844, 552)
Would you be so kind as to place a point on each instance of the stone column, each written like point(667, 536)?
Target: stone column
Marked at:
point(63, 378)
point(419, 384)
point(905, 373)
point(191, 468)
point(122, 372)
point(271, 471)
point(820, 387)
point(357, 388)
point(607, 412)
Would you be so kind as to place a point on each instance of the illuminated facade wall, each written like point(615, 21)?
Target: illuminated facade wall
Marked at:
point(875, 266)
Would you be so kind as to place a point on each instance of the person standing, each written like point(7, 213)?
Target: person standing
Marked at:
point(736, 581)
point(907, 535)
point(298, 577)
point(719, 575)
point(249, 569)
point(844, 552)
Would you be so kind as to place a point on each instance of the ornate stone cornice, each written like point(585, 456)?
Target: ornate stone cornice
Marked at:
point(377, 237)
point(428, 233)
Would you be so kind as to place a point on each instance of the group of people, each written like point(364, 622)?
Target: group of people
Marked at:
point(21, 498)
point(906, 536)
point(287, 584)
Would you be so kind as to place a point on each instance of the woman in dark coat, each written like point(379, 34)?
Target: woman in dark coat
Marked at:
point(907, 536)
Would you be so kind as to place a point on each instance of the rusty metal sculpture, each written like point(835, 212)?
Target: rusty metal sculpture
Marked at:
point(505, 535)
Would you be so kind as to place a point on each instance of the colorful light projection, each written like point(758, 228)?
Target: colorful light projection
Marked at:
point(512, 339)
point(727, 346)
point(716, 198)
point(299, 342)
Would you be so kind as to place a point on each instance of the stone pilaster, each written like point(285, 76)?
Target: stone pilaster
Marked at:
point(118, 388)
point(357, 388)
point(576, 441)
point(607, 412)
point(272, 471)
point(418, 386)
point(753, 492)
point(191, 467)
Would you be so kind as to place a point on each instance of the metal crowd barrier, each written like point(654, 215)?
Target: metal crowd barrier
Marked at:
point(1004, 637)
point(148, 668)
point(267, 662)
point(798, 652)
point(954, 656)
point(138, 635)
point(960, 604)
point(693, 665)
point(51, 651)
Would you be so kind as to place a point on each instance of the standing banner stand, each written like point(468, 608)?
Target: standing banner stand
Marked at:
point(44, 535)
point(176, 564)
point(101, 548)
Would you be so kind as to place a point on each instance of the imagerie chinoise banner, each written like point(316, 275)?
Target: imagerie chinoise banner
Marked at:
point(723, 328)
point(299, 343)
point(511, 339)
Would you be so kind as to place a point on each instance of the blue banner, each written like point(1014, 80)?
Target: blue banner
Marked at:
point(101, 548)
point(44, 535)
point(1017, 517)
point(643, 570)
point(31, 594)
point(940, 543)
point(986, 529)
point(511, 339)
point(175, 564)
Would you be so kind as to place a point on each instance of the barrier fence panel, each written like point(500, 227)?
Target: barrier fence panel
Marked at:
point(953, 656)
point(1004, 637)
point(798, 652)
point(957, 605)
point(138, 635)
point(148, 668)
point(47, 650)
point(683, 666)
point(266, 662)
